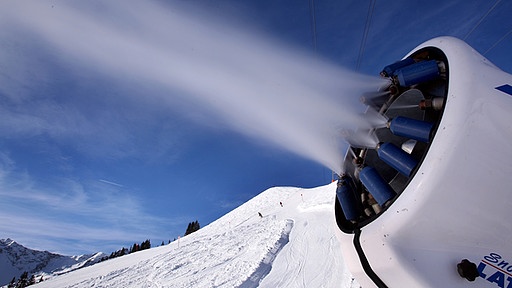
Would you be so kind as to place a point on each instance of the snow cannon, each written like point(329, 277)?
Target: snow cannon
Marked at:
point(428, 207)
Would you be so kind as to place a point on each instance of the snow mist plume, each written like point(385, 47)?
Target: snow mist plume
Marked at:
point(245, 82)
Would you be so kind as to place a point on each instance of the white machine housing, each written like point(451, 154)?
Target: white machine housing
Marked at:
point(447, 224)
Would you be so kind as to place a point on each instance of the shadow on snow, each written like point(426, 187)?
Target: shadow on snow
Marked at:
point(266, 264)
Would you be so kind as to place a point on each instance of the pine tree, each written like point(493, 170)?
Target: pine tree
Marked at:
point(189, 229)
point(135, 248)
point(12, 284)
point(145, 245)
point(32, 280)
point(192, 227)
point(23, 281)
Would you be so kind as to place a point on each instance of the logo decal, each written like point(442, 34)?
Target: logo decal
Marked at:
point(496, 270)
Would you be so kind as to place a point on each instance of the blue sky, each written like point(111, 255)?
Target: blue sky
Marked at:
point(124, 121)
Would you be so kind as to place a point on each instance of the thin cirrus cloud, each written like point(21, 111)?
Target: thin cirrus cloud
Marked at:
point(70, 210)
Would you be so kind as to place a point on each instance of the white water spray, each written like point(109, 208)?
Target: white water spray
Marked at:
point(244, 82)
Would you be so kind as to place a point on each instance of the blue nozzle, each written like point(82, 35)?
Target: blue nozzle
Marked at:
point(347, 198)
point(417, 73)
point(389, 71)
point(379, 189)
point(397, 158)
point(411, 128)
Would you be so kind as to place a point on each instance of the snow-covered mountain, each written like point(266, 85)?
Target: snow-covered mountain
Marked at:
point(292, 245)
point(16, 259)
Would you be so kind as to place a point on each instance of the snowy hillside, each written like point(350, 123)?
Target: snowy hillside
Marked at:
point(290, 246)
point(16, 259)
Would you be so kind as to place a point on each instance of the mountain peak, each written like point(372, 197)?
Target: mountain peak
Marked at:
point(7, 242)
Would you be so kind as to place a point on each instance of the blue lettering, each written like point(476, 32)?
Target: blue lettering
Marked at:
point(493, 258)
point(502, 264)
point(498, 278)
point(509, 282)
point(481, 268)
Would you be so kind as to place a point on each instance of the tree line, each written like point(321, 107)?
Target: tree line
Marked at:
point(23, 281)
point(191, 228)
point(123, 251)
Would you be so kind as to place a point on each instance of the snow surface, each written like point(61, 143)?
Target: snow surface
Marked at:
point(290, 246)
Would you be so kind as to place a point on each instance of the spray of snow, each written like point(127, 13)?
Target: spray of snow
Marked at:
point(240, 80)
point(290, 246)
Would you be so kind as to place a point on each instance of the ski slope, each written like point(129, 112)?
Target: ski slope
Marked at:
point(290, 246)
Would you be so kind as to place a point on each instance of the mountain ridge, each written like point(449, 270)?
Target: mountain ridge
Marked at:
point(16, 259)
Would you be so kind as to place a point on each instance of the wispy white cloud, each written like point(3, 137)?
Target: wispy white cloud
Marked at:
point(83, 214)
point(111, 183)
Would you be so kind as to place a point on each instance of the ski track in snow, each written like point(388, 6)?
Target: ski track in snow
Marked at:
point(290, 246)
